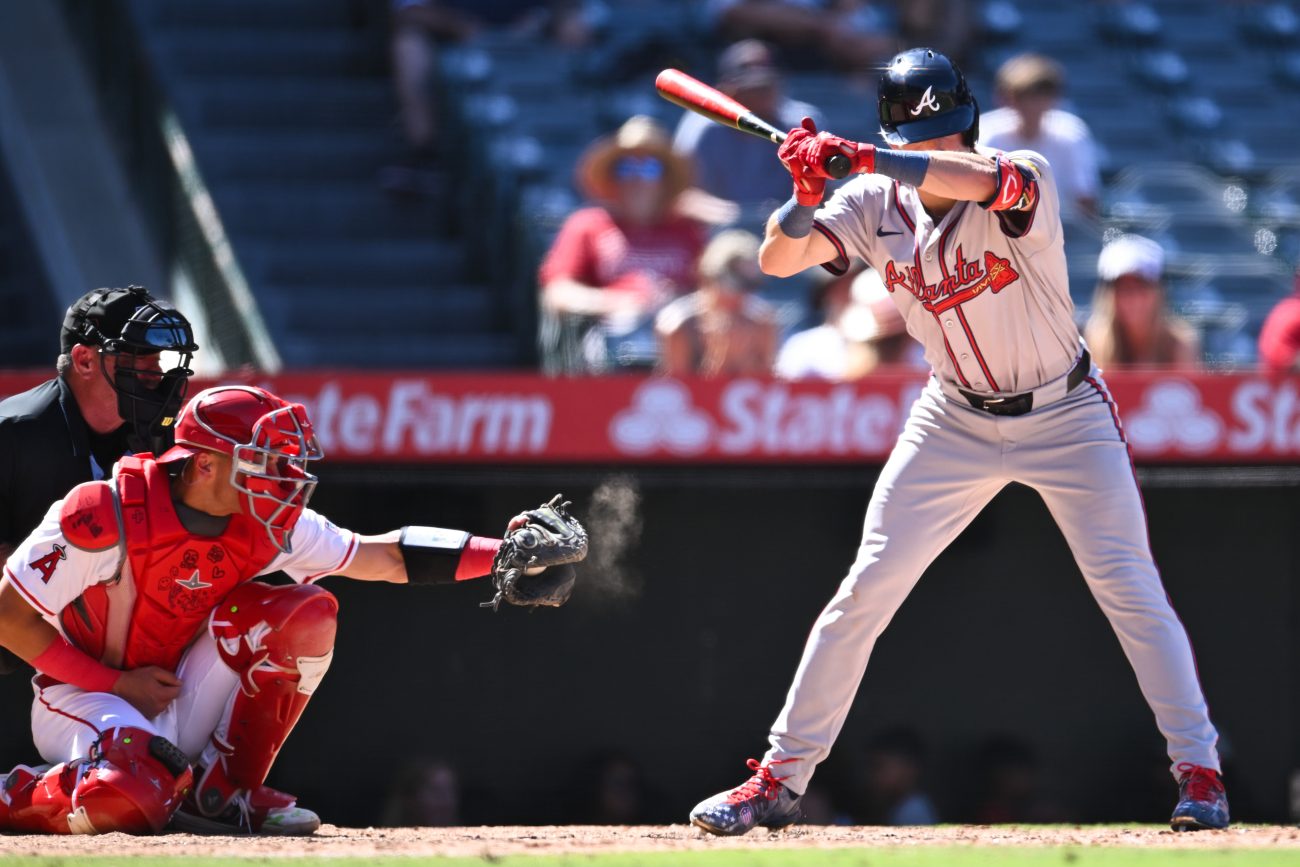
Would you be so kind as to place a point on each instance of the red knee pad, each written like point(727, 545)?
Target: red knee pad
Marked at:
point(280, 641)
point(133, 781)
point(270, 634)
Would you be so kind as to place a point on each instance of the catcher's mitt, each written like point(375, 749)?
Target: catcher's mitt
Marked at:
point(533, 566)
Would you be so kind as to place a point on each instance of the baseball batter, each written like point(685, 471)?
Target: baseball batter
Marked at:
point(969, 244)
point(168, 680)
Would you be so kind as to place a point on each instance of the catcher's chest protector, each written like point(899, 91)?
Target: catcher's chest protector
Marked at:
point(172, 578)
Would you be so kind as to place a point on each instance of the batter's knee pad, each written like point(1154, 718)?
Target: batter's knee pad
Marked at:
point(279, 640)
point(132, 782)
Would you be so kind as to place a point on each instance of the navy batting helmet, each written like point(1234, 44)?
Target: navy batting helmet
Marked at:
point(923, 95)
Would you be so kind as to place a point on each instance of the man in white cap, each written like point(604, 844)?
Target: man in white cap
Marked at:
point(1130, 323)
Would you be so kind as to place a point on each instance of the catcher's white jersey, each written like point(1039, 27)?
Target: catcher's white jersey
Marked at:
point(986, 293)
point(51, 571)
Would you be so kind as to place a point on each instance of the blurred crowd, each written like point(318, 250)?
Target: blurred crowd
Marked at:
point(656, 270)
point(892, 777)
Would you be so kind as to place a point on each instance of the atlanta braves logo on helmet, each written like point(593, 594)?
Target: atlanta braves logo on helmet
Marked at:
point(927, 101)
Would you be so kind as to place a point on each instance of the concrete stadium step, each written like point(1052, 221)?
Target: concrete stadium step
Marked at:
point(290, 155)
point(278, 102)
point(295, 15)
point(388, 311)
point(352, 263)
point(324, 213)
point(325, 53)
point(445, 351)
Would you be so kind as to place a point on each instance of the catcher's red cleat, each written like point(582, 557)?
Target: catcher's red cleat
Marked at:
point(262, 811)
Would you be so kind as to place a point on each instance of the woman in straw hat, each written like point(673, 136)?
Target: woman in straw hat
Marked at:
point(630, 252)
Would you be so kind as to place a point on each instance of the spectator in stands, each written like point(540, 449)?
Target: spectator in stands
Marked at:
point(620, 260)
point(1130, 323)
point(740, 168)
point(427, 794)
point(420, 26)
point(892, 771)
point(1279, 340)
point(723, 328)
point(852, 35)
point(861, 330)
point(1010, 784)
point(611, 789)
point(947, 23)
point(1030, 86)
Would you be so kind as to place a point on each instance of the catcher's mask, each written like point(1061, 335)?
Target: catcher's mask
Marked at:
point(270, 442)
point(132, 327)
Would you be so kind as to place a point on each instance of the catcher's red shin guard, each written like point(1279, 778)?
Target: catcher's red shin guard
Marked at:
point(132, 782)
point(280, 641)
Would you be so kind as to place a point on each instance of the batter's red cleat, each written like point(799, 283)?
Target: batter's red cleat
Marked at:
point(1202, 801)
point(760, 800)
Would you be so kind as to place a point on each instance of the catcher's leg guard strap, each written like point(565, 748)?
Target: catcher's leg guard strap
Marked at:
point(132, 782)
point(280, 641)
point(431, 554)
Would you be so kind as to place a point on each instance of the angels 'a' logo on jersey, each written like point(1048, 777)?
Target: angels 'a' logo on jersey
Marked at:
point(47, 564)
point(966, 280)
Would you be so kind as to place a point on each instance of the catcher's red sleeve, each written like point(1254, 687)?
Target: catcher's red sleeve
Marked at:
point(476, 559)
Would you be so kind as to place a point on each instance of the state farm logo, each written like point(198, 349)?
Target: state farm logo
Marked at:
point(759, 417)
point(1172, 416)
point(661, 415)
point(410, 418)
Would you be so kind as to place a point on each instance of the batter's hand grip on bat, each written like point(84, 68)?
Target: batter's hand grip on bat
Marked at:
point(838, 166)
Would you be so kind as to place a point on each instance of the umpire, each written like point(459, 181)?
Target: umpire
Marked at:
point(111, 397)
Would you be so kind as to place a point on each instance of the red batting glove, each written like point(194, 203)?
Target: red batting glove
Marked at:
point(863, 158)
point(817, 150)
point(809, 187)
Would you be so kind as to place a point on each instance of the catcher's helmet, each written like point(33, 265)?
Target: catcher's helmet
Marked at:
point(923, 95)
point(271, 443)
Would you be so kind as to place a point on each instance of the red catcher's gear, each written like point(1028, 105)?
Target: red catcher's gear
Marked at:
point(133, 781)
point(270, 440)
point(177, 577)
point(280, 641)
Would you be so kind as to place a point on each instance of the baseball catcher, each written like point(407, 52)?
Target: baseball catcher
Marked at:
point(167, 678)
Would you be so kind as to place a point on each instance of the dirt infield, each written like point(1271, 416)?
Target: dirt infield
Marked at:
point(499, 841)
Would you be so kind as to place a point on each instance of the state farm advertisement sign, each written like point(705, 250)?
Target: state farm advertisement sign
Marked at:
point(415, 417)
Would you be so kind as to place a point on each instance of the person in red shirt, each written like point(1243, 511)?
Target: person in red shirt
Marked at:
point(615, 263)
point(1279, 340)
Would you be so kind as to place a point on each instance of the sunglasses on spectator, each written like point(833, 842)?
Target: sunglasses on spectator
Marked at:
point(642, 168)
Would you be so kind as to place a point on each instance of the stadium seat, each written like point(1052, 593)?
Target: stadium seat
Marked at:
point(1163, 189)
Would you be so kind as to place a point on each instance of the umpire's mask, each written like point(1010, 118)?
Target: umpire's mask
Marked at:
point(135, 329)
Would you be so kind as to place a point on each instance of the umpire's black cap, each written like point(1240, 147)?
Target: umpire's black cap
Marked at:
point(125, 320)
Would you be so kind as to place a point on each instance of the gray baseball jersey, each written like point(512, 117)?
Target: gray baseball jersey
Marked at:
point(985, 292)
point(987, 295)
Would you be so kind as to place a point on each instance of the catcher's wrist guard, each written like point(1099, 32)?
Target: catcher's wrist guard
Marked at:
point(533, 566)
point(431, 554)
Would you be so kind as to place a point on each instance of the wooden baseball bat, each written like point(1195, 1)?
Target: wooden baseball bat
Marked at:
point(694, 95)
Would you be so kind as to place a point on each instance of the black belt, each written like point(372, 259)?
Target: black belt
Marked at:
point(1019, 404)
